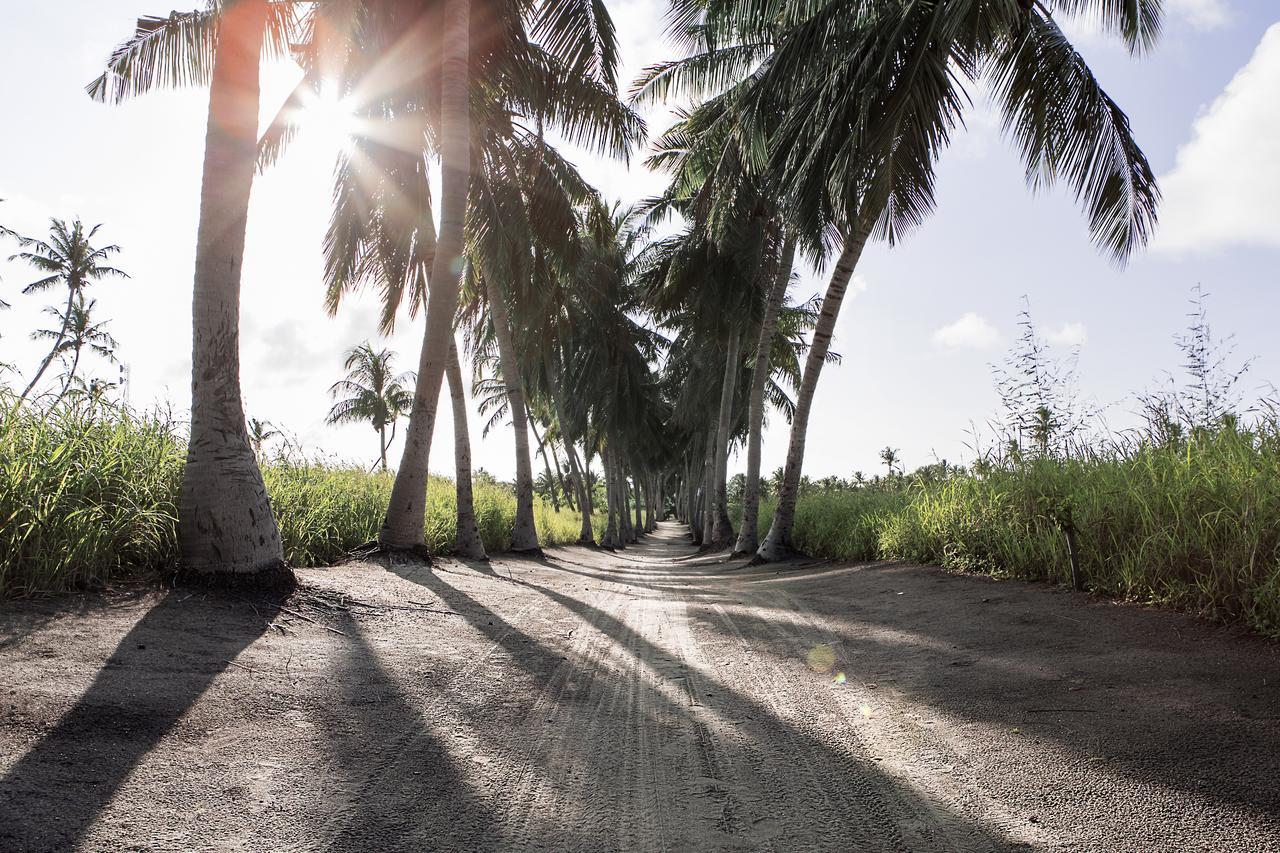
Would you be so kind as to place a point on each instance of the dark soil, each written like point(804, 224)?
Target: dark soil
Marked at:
point(643, 700)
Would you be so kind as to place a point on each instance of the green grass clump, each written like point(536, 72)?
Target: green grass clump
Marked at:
point(84, 496)
point(88, 494)
point(1191, 525)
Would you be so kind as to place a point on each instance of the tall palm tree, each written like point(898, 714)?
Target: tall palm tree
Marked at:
point(67, 259)
point(226, 530)
point(77, 332)
point(849, 103)
point(372, 391)
point(563, 76)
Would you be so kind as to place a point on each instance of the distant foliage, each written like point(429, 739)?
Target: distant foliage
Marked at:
point(88, 495)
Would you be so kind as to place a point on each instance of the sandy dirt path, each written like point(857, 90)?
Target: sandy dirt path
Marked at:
point(645, 700)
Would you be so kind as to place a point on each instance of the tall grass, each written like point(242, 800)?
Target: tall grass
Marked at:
point(88, 494)
point(1193, 524)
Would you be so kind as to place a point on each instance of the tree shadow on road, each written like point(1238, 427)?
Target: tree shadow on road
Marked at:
point(823, 791)
point(51, 797)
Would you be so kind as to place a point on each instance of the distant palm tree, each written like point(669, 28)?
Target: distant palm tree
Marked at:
point(67, 259)
point(373, 392)
point(77, 332)
point(889, 457)
point(260, 432)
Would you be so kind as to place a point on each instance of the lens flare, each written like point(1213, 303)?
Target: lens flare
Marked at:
point(821, 658)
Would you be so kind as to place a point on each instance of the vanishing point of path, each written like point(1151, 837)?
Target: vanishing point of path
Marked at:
point(645, 700)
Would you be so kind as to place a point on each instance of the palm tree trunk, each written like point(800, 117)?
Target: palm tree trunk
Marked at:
point(611, 529)
point(382, 446)
point(226, 529)
point(403, 527)
point(466, 541)
point(777, 545)
point(524, 535)
point(71, 374)
point(709, 489)
point(546, 465)
point(723, 533)
point(748, 537)
point(48, 359)
point(564, 486)
point(579, 472)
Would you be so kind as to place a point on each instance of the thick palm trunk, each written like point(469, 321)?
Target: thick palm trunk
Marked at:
point(777, 545)
point(466, 541)
point(62, 336)
point(403, 526)
point(748, 537)
point(723, 533)
point(226, 529)
point(524, 535)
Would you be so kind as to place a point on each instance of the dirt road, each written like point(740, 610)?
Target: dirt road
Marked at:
point(645, 700)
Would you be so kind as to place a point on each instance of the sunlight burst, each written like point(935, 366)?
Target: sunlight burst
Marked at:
point(330, 118)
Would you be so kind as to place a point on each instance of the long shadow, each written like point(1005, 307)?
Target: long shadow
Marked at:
point(22, 617)
point(1157, 697)
point(405, 789)
point(850, 779)
point(51, 797)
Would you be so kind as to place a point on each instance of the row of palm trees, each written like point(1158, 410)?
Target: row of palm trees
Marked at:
point(815, 128)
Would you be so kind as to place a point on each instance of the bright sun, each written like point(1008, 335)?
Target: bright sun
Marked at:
point(329, 118)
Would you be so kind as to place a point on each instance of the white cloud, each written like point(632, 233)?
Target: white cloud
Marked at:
point(1069, 334)
point(1224, 189)
point(1200, 14)
point(970, 331)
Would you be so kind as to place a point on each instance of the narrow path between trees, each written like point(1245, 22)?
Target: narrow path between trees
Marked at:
point(650, 699)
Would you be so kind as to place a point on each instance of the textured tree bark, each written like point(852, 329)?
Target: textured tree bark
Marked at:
point(610, 491)
point(226, 530)
point(403, 526)
point(466, 538)
point(748, 537)
point(722, 536)
point(777, 545)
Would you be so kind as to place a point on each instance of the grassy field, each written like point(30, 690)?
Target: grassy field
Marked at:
point(1194, 524)
point(88, 495)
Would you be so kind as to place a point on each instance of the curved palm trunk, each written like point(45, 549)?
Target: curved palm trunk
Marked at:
point(226, 529)
point(466, 543)
point(748, 537)
point(48, 359)
point(382, 447)
point(777, 545)
point(403, 526)
point(722, 535)
point(524, 534)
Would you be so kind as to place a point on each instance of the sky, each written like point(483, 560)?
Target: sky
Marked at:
point(918, 335)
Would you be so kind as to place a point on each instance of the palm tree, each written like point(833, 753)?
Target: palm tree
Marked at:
point(75, 333)
point(373, 392)
point(67, 259)
point(467, 542)
point(852, 101)
point(260, 432)
point(226, 529)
